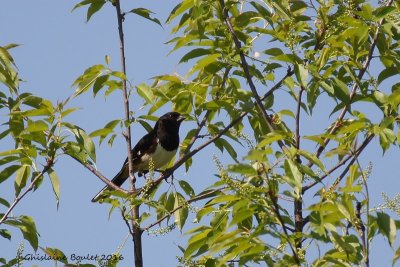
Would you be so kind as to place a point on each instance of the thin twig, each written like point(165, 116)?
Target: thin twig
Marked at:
point(101, 176)
point(355, 155)
point(245, 67)
point(341, 163)
point(46, 168)
point(126, 221)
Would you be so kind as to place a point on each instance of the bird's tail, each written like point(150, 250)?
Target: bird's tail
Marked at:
point(118, 180)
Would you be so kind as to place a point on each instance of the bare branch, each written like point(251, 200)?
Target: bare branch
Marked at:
point(102, 177)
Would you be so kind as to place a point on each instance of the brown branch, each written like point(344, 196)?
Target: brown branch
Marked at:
point(275, 206)
point(46, 168)
point(352, 159)
point(137, 236)
point(245, 67)
point(101, 176)
point(355, 156)
point(126, 221)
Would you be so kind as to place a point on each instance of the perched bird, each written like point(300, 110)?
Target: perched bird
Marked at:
point(159, 146)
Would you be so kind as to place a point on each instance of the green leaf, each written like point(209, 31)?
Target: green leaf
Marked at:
point(339, 240)
point(275, 51)
point(83, 3)
point(203, 63)
point(387, 226)
point(341, 91)
point(85, 141)
point(270, 138)
point(100, 83)
point(28, 229)
point(240, 216)
point(169, 205)
point(87, 79)
point(5, 233)
point(223, 144)
point(56, 254)
point(8, 159)
point(301, 74)
point(312, 158)
point(179, 9)
point(145, 13)
point(182, 213)
point(4, 202)
point(94, 7)
point(55, 183)
point(145, 92)
point(243, 169)
point(198, 52)
point(7, 172)
point(396, 256)
point(21, 178)
point(196, 242)
point(383, 11)
point(387, 73)
point(386, 138)
point(295, 176)
point(187, 188)
point(37, 126)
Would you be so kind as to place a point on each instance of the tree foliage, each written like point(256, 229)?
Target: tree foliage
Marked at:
point(258, 73)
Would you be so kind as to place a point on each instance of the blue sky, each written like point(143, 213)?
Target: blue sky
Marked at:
point(57, 45)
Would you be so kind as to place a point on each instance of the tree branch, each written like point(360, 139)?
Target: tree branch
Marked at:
point(245, 67)
point(340, 164)
point(49, 164)
point(275, 205)
point(101, 176)
point(137, 236)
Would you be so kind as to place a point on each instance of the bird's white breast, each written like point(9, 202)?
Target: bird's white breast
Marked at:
point(160, 157)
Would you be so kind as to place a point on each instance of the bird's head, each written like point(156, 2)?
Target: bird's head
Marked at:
point(171, 120)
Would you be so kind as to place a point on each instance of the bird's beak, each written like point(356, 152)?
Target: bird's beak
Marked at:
point(181, 118)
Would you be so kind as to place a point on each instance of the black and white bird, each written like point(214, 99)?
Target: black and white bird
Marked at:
point(159, 146)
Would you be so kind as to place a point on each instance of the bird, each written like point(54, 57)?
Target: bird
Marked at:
point(158, 147)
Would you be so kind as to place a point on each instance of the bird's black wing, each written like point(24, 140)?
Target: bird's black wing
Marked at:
point(145, 145)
